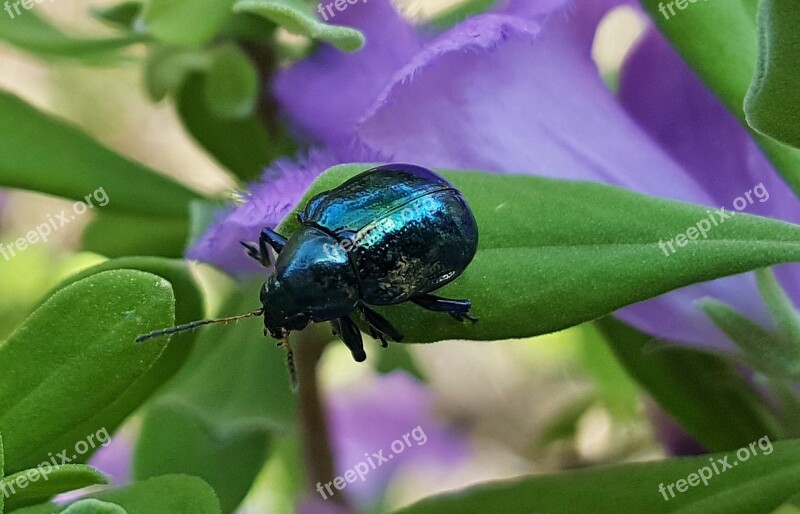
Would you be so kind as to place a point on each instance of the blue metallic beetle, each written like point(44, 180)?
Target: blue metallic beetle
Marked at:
point(391, 234)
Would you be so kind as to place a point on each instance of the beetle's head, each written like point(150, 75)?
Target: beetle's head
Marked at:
point(281, 314)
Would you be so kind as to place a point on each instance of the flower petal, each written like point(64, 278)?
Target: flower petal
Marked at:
point(326, 93)
point(505, 94)
point(266, 204)
point(367, 422)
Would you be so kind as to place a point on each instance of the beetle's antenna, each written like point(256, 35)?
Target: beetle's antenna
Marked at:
point(193, 325)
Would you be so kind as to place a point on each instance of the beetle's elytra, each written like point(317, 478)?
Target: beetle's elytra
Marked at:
point(389, 235)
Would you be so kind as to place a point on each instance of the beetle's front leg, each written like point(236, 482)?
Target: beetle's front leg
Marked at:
point(268, 238)
point(351, 335)
point(458, 309)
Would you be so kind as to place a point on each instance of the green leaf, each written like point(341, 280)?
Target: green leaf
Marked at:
point(39, 484)
point(294, 16)
point(212, 422)
point(614, 387)
point(92, 506)
point(244, 146)
point(75, 166)
point(31, 33)
point(57, 371)
point(168, 494)
point(122, 15)
point(556, 253)
point(188, 307)
point(685, 382)
point(186, 22)
point(771, 353)
point(230, 463)
point(232, 84)
point(772, 104)
point(760, 483)
point(719, 40)
point(790, 507)
point(779, 304)
point(2, 474)
point(167, 67)
point(119, 235)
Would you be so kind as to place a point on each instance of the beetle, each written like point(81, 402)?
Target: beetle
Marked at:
point(392, 234)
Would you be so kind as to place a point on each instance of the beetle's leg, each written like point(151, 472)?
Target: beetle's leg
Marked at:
point(351, 336)
point(381, 325)
point(271, 238)
point(254, 252)
point(374, 334)
point(268, 238)
point(459, 309)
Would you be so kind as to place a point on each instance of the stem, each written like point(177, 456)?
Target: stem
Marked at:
point(314, 436)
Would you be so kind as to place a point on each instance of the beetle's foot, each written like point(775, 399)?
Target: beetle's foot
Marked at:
point(458, 309)
point(463, 316)
point(255, 253)
point(378, 336)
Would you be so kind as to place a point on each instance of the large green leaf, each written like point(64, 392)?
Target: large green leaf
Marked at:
point(31, 33)
point(295, 16)
point(772, 104)
point(556, 253)
point(221, 410)
point(39, 484)
point(188, 307)
point(74, 165)
point(168, 494)
point(686, 381)
point(754, 485)
point(59, 370)
point(719, 40)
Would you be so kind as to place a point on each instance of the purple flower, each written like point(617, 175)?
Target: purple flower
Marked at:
point(264, 205)
point(516, 90)
point(383, 428)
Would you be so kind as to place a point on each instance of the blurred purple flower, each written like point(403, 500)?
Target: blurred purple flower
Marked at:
point(516, 90)
point(371, 420)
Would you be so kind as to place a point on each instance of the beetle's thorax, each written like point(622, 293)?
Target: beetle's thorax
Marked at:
point(313, 281)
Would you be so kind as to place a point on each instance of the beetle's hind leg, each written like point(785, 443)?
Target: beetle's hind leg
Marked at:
point(347, 329)
point(379, 327)
point(268, 238)
point(458, 309)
